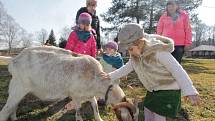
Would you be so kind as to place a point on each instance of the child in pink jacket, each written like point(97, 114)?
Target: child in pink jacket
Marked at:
point(174, 23)
point(81, 39)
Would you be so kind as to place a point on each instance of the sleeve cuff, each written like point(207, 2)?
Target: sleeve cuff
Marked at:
point(189, 91)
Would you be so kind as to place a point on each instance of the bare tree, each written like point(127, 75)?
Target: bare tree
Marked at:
point(42, 36)
point(2, 12)
point(26, 39)
point(65, 32)
point(213, 35)
point(10, 32)
point(210, 35)
point(200, 30)
point(9, 29)
point(2, 16)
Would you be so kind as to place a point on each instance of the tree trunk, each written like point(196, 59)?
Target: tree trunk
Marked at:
point(151, 19)
point(137, 10)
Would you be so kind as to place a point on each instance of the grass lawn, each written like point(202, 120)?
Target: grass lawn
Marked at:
point(201, 71)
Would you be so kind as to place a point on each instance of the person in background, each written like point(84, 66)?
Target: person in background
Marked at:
point(174, 23)
point(161, 75)
point(111, 56)
point(81, 39)
point(91, 9)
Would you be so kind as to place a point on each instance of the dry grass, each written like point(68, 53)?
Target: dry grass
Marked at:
point(202, 72)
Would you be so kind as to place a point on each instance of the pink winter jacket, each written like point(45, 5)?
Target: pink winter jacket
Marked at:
point(180, 31)
point(77, 46)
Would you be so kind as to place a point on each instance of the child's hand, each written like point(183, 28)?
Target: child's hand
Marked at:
point(105, 76)
point(194, 99)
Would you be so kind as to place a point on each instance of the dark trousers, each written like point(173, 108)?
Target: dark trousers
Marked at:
point(178, 53)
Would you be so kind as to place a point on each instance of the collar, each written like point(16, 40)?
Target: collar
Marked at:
point(107, 92)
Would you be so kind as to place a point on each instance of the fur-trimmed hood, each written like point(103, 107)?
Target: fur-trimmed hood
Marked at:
point(157, 43)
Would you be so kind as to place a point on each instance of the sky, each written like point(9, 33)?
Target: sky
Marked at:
point(33, 15)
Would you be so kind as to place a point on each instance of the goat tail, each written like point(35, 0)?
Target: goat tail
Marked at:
point(6, 58)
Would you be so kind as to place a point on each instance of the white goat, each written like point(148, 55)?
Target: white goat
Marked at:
point(52, 73)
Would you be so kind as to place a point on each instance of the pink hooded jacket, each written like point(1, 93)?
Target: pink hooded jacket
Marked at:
point(180, 31)
point(77, 46)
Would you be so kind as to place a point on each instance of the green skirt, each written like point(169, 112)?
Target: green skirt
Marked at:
point(164, 102)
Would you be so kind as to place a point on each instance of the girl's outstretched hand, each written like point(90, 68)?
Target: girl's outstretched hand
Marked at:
point(194, 99)
point(105, 76)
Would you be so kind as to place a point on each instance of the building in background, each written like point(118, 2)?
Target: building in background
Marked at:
point(202, 51)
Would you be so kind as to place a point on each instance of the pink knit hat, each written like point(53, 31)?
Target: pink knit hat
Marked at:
point(85, 18)
point(112, 45)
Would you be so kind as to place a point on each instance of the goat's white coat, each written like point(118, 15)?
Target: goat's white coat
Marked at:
point(52, 73)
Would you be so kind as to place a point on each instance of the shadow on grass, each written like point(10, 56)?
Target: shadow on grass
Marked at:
point(43, 111)
point(25, 112)
point(4, 70)
point(193, 67)
point(4, 82)
point(31, 110)
point(191, 61)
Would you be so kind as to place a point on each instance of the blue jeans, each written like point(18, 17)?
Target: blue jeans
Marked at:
point(178, 53)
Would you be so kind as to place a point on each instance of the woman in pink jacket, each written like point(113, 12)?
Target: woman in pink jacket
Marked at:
point(174, 23)
point(82, 40)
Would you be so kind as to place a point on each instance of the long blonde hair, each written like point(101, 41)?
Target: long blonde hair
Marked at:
point(140, 43)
